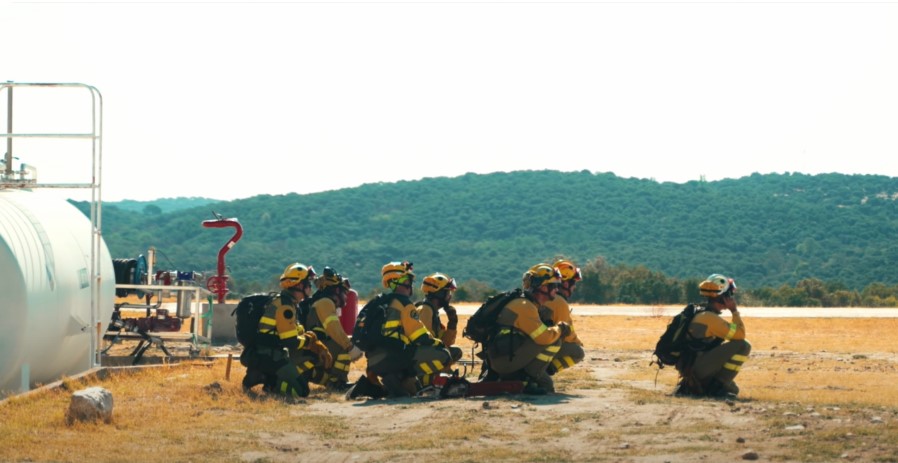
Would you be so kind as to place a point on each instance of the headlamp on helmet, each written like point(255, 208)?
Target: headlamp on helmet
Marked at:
point(330, 278)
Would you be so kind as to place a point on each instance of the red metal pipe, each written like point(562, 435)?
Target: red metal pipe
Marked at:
point(219, 283)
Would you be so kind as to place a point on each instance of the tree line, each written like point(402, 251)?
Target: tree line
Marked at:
point(781, 236)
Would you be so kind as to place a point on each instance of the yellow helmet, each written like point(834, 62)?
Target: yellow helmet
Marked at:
point(568, 271)
point(437, 282)
point(395, 273)
point(295, 274)
point(329, 278)
point(717, 285)
point(540, 275)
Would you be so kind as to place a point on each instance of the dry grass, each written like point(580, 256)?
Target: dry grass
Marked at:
point(835, 377)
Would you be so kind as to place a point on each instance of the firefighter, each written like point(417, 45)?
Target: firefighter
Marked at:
point(412, 352)
point(438, 289)
point(558, 310)
point(524, 346)
point(723, 347)
point(285, 348)
point(323, 321)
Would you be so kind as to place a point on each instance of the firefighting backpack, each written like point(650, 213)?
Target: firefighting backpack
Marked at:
point(248, 312)
point(482, 326)
point(676, 344)
point(368, 332)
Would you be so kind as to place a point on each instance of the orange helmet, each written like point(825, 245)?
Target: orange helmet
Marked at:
point(568, 271)
point(395, 273)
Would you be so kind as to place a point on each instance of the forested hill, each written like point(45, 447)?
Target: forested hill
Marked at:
point(764, 230)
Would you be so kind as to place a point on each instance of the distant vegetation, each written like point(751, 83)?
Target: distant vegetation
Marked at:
point(162, 205)
point(787, 239)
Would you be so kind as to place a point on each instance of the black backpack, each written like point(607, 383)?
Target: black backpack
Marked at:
point(481, 327)
point(676, 343)
point(304, 308)
point(368, 332)
point(248, 312)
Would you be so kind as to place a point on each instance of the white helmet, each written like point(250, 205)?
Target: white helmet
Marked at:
point(717, 285)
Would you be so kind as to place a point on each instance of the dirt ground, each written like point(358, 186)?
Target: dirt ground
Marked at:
point(599, 416)
point(831, 402)
point(611, 407)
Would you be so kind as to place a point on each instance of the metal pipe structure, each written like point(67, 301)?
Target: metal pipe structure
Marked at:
point(219, 283)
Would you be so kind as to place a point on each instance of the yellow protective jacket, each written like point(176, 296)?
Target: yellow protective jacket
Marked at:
point(523, 315)
point(323, 320)
point(430, 317)
point(708, 325)
point(561, 312)
point(403, 324)
point(279, 320)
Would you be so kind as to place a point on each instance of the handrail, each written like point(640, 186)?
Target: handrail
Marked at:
point(7, 181)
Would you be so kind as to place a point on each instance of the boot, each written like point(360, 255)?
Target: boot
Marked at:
point(410, 385)
point(533, 389)
point(394, 386)
point(545, 382)
point(717, 389)
point(731, 387)
point(338, 385)
point(364, 388)
point(253, 378)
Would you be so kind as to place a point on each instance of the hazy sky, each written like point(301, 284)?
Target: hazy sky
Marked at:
point(231, 100)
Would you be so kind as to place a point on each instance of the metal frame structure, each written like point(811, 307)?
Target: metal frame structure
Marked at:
point(12, 179)
point(9, 179)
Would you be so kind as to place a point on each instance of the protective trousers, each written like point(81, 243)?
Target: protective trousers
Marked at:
point(338, 374)
point(515, 353)
point(722, 362)
point(289, 382)
point(304, 362)
point(417, 361)
point(455, 354)
point(569, 355)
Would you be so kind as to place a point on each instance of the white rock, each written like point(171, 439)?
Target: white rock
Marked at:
point(91, 404)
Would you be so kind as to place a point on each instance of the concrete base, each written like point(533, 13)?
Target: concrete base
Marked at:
point(223, 323)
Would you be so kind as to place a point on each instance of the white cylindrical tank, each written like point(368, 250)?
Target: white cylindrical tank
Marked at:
point(47, 328)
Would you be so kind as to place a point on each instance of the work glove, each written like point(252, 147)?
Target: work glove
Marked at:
point(565, 329)
point(355, 353)
point(324, 356)
point(309, 336)
point(451, 317)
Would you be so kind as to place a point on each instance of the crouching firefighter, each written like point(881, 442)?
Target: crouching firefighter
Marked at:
point(721, 344)
point(323, 321)
point(285, 353)
point(438, 289)
point(524, 346)
point(558, 310)
point(408, 352)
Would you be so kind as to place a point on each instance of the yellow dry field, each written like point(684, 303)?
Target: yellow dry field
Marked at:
point(814, 390)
